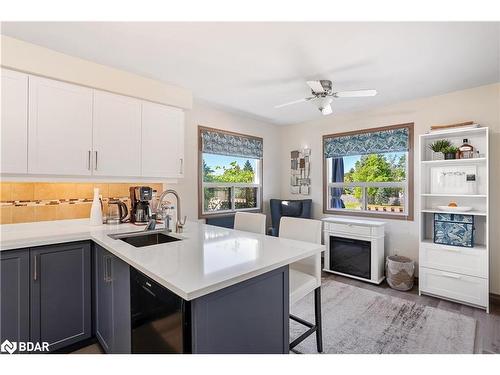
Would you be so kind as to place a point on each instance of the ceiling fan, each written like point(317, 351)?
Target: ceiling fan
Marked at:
point(323, 94)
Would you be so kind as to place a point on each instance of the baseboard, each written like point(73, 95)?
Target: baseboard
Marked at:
point(495, 299)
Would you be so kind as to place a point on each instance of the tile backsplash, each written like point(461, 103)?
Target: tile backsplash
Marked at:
point(22, 202)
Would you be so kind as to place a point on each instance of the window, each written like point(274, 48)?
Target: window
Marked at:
point(230, 172)
point(369, 172)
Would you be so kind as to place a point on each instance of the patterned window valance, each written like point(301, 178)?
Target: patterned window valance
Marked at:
point(219, 142)
point(391, 140)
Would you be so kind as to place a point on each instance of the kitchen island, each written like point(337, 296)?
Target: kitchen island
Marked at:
point(232, 286)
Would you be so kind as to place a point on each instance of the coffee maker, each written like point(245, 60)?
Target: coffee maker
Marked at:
point(140, 198)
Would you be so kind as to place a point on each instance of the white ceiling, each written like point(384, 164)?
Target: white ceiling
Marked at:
point(250, 67)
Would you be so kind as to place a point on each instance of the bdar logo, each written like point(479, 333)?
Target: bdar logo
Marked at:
point(8, 347)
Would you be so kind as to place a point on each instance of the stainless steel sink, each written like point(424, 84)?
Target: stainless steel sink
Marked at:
point(147, 238)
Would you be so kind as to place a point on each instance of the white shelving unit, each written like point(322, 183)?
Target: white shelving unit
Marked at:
point(459, 274)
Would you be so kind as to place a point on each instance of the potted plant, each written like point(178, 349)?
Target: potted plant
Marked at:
point(450, 152)
point(437, 148)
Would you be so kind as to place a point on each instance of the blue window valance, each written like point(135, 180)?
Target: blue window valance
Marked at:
point(229, 144)
point(391, 140)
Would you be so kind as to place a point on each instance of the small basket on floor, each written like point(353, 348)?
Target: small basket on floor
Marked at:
point(399, 272)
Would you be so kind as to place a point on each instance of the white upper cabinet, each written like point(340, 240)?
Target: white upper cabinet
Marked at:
point(162, 141)
point(14, 135)
point(117, 135)
point(60, 128)
point(55, 128)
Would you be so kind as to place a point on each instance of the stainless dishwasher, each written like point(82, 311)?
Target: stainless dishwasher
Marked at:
point(157, 317)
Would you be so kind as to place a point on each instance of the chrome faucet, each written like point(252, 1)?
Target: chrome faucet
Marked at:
point(179, 224)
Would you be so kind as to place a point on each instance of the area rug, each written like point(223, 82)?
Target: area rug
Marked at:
point(357, 320)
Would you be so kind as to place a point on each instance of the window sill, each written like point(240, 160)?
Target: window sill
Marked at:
point(226, 214)
point(380, 215)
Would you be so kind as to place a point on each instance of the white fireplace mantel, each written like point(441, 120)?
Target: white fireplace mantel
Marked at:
point(357, 229)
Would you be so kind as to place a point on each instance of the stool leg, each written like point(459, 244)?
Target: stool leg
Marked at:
point(317, 313)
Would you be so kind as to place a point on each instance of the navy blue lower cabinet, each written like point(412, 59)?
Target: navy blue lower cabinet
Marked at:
point(61, 294)
point(14, 295)
point(246, 318)
point(112, 302)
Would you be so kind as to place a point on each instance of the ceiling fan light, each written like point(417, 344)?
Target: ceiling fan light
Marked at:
point(326, 110)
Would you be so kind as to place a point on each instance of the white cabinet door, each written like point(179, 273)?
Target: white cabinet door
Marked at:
point(14, 136)
point(162, 141)
point(117, 135)
point(60, 128)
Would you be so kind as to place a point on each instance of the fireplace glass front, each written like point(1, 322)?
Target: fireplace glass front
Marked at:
point(350, 256)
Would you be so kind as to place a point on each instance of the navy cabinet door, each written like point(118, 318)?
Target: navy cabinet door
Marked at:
point(112, 302)
point(14, 295)
point(61, 294)
point(103, 298)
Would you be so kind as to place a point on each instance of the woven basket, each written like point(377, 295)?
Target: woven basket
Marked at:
point(399, 272)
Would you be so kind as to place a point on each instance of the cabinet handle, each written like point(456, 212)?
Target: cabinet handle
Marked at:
point(104, 268)
point(181, 167)
point(88, 161)
point(95, 161)
point(110, 278)
point(107, 269)
point(35, 266)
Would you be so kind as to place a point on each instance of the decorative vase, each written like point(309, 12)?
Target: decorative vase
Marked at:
point(96, 209)
point(437, 155)
point(450, 155)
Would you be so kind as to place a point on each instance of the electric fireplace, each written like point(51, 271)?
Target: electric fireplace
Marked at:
point(355, 248)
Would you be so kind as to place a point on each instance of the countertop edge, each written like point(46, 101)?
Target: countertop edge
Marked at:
point(187, 295)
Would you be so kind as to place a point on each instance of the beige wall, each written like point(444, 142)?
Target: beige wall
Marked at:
point(206, 115)
point(480, 104)
point(34, 59)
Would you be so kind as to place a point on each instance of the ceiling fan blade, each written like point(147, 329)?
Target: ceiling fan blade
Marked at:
point(327, 110)
point(294, 102)
point(354, 93)
point(316, 86)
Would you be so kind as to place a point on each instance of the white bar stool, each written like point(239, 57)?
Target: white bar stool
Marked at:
point(305, 274)
point(250, 222)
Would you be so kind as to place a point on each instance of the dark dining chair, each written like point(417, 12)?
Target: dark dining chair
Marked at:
point(293, 208)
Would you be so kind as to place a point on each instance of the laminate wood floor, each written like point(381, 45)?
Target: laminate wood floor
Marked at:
point(487, 329)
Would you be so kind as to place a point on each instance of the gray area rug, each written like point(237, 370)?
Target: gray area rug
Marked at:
point(357, 320)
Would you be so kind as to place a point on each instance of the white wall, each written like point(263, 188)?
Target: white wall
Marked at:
point(206, 115)
point(480, 104)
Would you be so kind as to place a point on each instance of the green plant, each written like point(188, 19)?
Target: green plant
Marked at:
point(450, 150)
point(440, 145)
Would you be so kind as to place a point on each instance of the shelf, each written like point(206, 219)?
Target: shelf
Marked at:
point(429, 242)
point(455, 132)
point(453, 161)
point(437, 211)
point(455, 195)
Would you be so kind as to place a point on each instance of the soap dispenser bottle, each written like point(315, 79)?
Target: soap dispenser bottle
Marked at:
point(96, 209)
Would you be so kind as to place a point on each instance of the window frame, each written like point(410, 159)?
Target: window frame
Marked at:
point(408, 184)
point(201, 184)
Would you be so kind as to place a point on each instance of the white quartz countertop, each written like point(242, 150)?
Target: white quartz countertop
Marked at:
point(207, 259)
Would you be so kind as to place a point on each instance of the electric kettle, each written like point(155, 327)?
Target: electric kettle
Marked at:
point(117, 212)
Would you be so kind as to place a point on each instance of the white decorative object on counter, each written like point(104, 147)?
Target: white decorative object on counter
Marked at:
point(96, 209)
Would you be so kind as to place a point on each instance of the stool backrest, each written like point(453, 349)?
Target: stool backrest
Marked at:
point(306, 230)
point(250, 222)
